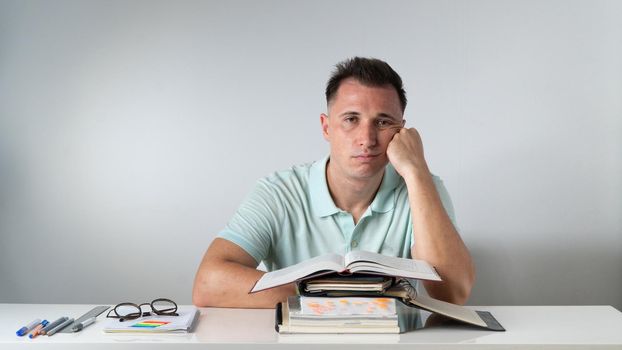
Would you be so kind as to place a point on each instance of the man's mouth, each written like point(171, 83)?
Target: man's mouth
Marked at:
point(366, 156)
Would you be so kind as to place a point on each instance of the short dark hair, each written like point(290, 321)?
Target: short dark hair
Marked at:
point(368, 71)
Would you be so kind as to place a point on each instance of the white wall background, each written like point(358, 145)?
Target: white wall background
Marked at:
point(131, 130)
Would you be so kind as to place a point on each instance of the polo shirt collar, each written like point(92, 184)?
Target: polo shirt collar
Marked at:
point(323, 203)
point(321, 199)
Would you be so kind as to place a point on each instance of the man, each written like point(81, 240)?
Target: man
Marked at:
point(374, 192)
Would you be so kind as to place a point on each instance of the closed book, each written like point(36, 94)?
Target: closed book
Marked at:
point(358, 283)
point(295, 320)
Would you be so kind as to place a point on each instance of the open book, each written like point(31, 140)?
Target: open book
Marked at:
point(358, 261)
point(404, 291)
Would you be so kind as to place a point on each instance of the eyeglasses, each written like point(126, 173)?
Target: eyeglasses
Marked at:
point(130, 311)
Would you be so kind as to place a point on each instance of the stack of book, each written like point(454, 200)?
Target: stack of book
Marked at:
point(361, 292)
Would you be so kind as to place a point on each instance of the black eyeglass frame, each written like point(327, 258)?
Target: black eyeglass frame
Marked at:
point(172, 311)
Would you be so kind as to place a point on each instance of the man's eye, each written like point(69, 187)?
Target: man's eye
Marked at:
point(384, 123)
point(350, 119)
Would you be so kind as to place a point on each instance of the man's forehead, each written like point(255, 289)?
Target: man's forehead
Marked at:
point(352, 95)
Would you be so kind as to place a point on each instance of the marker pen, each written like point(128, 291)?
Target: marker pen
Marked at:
point(51, 325)
point(26, 329)
point(83, 324)
point(60, 327)
point(35, 332)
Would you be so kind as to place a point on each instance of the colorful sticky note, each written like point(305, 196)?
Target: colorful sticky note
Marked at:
point(150, 324)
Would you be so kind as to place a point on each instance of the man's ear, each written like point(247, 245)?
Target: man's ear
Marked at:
point(324, 121)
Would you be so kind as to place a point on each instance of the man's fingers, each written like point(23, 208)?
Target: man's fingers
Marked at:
point(397, 129)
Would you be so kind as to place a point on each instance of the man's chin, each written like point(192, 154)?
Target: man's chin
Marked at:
point(368, 169)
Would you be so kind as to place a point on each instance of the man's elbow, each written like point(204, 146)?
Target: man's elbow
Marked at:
point(457, 290)
point(203, 292)
point(461, 295)
point(199, 294)
point(462, 292)
point(198, 297)
point(457, 294)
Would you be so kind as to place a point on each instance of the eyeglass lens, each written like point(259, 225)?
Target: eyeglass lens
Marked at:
point(128, 310)
point(163, 306)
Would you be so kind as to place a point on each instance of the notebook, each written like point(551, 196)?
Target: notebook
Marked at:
point(183, 323)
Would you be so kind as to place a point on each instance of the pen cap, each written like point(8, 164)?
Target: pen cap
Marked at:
point(24, 330)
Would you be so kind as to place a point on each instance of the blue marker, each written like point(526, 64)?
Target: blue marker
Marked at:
point(26, 329)
point(35, 332)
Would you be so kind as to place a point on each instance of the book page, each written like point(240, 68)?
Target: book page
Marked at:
point(360, 260)
point(328, 262)
point(450, 310)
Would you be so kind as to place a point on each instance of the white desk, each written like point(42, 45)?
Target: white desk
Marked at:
point(528, 327)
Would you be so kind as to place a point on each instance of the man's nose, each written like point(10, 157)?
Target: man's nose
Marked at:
point(367, 135)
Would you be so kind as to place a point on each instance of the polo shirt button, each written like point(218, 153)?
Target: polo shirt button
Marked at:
point(354, 244)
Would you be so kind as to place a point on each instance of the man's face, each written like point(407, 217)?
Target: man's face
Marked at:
point(360, 124)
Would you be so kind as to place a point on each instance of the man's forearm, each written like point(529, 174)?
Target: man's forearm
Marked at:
point(437, 241)
point(227, 284)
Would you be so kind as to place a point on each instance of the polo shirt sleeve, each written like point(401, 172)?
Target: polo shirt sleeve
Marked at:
point(254, 223)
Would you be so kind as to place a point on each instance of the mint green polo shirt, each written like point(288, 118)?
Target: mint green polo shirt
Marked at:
point(290, 217)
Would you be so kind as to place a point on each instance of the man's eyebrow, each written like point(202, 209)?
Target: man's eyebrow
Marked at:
point(349, 113)
point(385, 115)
